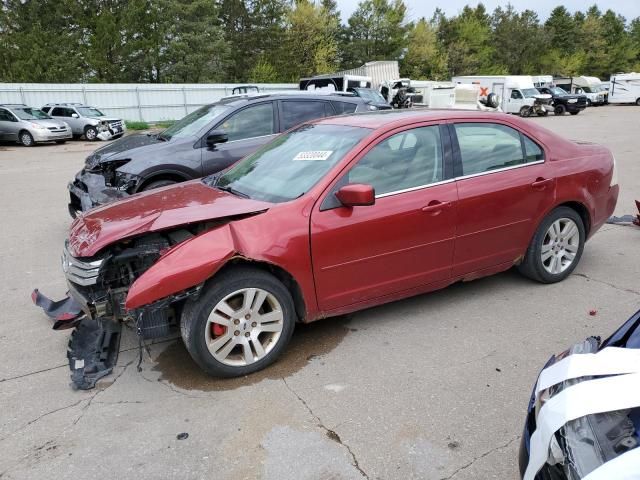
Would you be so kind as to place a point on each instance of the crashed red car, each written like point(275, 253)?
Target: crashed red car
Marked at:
point(332, 217)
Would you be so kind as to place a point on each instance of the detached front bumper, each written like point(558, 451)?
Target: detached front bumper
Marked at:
point(89, 190)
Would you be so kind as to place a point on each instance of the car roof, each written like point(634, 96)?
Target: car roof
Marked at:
point(242, 99)
point(393, 118)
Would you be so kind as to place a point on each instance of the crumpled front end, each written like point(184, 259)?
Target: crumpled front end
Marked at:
point(103, 185)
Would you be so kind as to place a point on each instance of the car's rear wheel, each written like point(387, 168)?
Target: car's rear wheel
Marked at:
point(637, 102)
point(241, 322)
point(525, 111)
point(157, 184)
point(26, 139)
point(559, 110)
point(90, 133)
point(556, 247)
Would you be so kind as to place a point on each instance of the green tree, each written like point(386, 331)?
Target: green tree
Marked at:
point(520, 38)
point(424, 58)
point(376, 31)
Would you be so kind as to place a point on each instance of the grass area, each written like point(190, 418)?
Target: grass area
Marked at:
point(165, 123)
point(136, 125)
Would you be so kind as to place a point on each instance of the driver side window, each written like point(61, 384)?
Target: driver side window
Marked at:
point(250, 122)
point(406, 160)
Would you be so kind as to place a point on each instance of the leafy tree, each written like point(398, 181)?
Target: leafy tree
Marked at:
point(520, 38)
point(424, 58)
point(375, 31)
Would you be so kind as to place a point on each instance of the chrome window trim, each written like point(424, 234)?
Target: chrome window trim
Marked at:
point(498, 170)
point(419, 187)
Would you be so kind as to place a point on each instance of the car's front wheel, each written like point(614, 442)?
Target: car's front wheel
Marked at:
point(559, 110)
point(90, 133)
point(241, 322)
point(26, 139)
point(556, 247)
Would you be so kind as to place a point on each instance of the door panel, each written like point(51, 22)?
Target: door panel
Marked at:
point(404, 240)
point(9, 127)
point(499, 205)
point(226, 154)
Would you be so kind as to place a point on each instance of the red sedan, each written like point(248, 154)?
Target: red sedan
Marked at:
point(335, 216)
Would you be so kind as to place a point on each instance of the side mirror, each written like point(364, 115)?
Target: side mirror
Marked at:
point(216, 136)
point(75, 115)
point(356, 195)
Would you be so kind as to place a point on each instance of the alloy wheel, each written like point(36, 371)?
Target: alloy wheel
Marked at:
point(560, 245)
point(26, 139)
point(244, 327)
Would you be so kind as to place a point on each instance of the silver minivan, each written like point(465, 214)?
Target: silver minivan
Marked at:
point(28, 126)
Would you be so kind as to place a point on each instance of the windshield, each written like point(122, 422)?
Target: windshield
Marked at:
point(30, 114)
point(90, 112)
point(193, 122)
point(290, 165)
point(370, 95)
point(530, 92)
point(558, 91)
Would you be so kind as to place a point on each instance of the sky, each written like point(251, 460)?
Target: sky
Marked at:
point(424, 8)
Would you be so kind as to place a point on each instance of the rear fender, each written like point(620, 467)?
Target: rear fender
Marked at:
point(187, 265)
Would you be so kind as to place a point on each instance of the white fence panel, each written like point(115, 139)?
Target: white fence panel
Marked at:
point(130, 101)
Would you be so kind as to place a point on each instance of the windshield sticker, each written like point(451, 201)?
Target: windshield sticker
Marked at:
point(313, 155)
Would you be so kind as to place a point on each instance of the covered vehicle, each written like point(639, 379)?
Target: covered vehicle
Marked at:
point(206, 141)
point(583, 418)
point(323, 220)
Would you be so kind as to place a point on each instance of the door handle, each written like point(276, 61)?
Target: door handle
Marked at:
point(541, 183)
point(436, 206)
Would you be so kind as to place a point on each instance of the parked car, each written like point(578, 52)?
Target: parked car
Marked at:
point(323, 221)
point(87, 121)
point(373, 98)
point(28, 126)
point(564, 102)
point(602, 441)
point(192, 147)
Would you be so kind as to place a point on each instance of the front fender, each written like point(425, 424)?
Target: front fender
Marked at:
point(188, 264)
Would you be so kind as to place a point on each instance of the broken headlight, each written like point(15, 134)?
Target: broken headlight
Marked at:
point(125, 181)
point(103, 126)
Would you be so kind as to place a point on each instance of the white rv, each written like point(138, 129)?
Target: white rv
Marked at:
point(515, 92)
point(625, 88)
point(433, 94)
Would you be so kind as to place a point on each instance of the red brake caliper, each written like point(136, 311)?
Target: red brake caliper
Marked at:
point(218, 329)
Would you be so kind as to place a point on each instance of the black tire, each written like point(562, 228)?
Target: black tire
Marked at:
point(26, 139)
point(575, 113)
point(637, 102)
point(91, 134)
point(589, 103)
point(559, 110)
point(157, 184)
point(61, 142)
point(196, 312)
point(525, 112)
point(532, 265)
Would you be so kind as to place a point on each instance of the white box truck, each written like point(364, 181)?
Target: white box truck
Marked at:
point(625, 88)
point(516, 93)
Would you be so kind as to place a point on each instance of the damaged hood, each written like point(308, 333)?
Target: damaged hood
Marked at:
point(131, 144)
point(158, 209)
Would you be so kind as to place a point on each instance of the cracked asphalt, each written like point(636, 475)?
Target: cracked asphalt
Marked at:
point(433, 387)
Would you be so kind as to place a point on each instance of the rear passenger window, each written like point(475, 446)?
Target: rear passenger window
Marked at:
point(406, 160)
point(533, 151)
point(296, 112)
point(488, 146)
point(344, 107)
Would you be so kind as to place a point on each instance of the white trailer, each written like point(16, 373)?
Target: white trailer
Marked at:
point(516, 93)
point(379, 71)
point(335, 82)
point(625, 88)
point(433, 94)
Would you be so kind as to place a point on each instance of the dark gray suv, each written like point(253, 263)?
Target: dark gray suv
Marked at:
point(205, 141)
